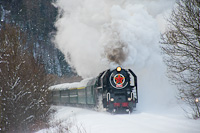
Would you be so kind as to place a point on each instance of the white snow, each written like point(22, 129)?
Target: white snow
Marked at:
point(65, 86)
point(137, 122)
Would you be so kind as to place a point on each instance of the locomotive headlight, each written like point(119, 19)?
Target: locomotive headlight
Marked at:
point(112, 99)
point(119, 69)
point(129, 99)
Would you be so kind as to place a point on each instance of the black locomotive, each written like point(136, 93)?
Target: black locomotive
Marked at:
point(114, 90)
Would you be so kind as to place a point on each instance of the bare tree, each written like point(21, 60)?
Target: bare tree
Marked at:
point(23, 84)
point(182, 48)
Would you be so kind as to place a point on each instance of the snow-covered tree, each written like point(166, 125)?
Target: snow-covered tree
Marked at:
point(182, 47)
point(23, 84)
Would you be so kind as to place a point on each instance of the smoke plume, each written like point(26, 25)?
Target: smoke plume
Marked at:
point(95, 35)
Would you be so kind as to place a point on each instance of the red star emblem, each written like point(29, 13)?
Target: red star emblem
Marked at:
point(119, 79)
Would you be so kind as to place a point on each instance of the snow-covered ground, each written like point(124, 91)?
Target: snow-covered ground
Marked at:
point(90, 121)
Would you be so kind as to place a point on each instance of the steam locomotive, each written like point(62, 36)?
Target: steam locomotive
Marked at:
point(114, 90)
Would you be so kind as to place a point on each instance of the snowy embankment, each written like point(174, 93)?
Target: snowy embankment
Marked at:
point(90, 121)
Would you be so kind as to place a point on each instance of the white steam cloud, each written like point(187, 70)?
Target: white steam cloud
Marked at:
point(95, 35)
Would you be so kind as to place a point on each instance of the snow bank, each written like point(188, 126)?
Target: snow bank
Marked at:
point(138, 122)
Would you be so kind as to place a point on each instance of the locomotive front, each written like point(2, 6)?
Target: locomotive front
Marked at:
point(121, 90)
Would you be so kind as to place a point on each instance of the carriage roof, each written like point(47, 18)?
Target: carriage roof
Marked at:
point(66, 86)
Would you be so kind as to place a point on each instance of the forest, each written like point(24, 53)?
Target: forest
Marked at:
point(36, 18)
point(29, 64)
